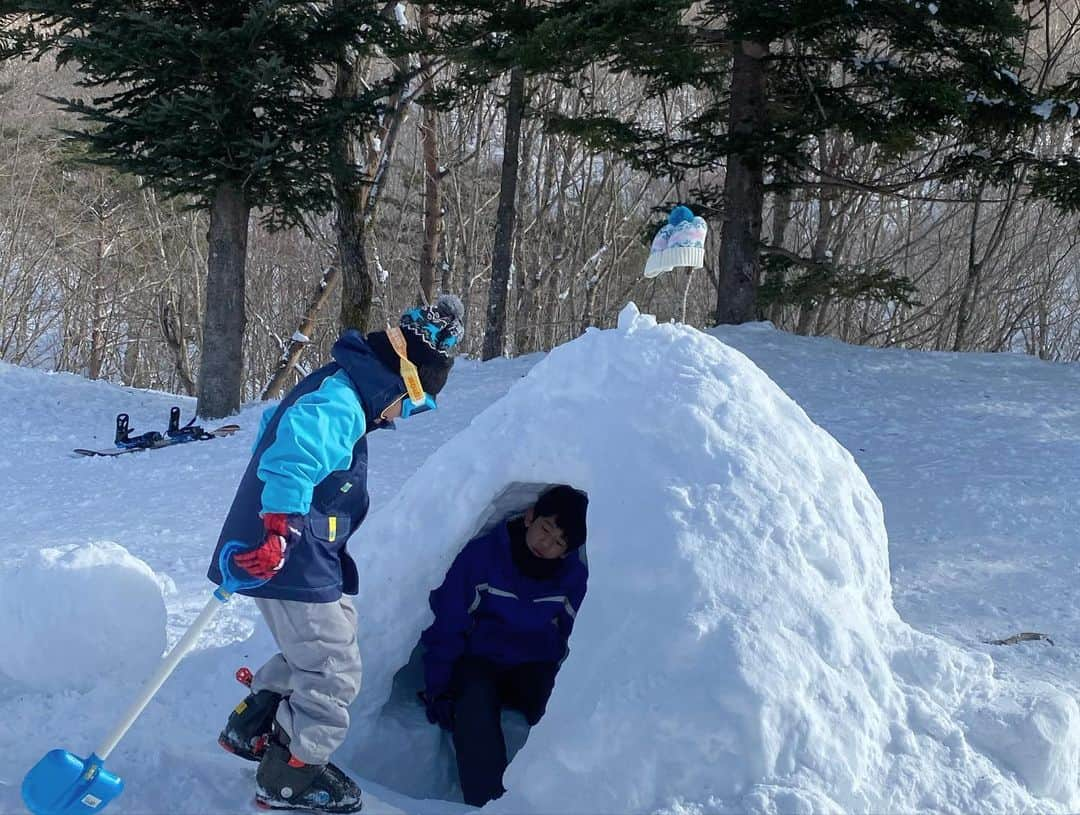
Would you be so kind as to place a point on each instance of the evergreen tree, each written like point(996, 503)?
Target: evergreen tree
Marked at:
point(487, 39)
point(225, 103)
point(778, 75)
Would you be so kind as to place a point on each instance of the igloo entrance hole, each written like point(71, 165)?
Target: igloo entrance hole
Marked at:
point(402, 750)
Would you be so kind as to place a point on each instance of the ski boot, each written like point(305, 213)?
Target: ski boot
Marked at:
point(282, 782)
point(248, 729)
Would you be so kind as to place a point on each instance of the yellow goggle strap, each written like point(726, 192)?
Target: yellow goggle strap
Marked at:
point(408, 370)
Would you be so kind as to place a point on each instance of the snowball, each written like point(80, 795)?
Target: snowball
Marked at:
point(79, 615)
point(1037, 738)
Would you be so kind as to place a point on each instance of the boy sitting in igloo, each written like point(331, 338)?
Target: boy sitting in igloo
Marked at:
point(503, 616)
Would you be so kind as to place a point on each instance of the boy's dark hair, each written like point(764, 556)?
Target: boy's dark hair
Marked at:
point(568, 506)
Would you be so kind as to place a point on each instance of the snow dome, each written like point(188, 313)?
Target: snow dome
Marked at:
point(738, 647)
point(74, 616)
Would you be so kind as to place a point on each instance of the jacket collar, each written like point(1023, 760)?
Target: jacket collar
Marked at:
point(375, 384)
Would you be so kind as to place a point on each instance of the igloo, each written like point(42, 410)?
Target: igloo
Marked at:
point(738, 649)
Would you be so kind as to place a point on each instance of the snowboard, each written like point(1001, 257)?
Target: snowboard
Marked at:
point(153, 440)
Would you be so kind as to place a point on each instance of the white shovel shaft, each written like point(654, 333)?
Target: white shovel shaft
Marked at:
point(168, 665)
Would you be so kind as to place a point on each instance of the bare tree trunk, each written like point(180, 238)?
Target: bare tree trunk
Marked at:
point(99, 314)
point(744, 190)
point(130, 372)
point(432, 205)
point(781, 219)
point(221, 372)
point(526, 278)
point(298, 343)
point(1043, 317)
point(172, 329)
point(356, 201)
point(975, 266)
point(811, 312)
point(526, 317)
point(356, 285)
point(433, 214)
point(971, 279)
point(349, 225)
point(819, 253)
point(503, 255)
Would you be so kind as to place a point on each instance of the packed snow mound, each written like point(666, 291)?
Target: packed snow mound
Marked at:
point(78, 615)
point(738, 648)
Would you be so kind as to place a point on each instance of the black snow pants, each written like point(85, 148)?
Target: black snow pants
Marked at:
point(481, 690)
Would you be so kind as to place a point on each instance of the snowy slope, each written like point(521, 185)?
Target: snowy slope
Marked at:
point(809, 693)
point(976, 458)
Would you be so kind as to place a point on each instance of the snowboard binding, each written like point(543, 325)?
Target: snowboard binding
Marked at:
point(126, 440)
point(189, 432)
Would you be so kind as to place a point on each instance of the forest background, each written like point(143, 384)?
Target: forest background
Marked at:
point(245, 180)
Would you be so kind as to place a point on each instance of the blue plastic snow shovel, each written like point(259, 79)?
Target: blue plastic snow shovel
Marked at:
point(61, 783)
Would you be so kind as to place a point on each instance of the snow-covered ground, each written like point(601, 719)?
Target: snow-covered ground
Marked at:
point(752, 640)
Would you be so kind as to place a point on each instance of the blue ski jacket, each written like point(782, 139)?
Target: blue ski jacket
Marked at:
point(487, 607)
point(310, 460)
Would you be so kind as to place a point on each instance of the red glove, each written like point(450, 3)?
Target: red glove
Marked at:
point(266, 560)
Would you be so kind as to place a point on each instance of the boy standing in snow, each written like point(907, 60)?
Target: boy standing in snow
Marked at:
point(303, 494)
point(503, 616)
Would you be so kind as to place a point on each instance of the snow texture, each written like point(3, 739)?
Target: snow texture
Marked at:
point(740, 647)
point(78, 615)
point(738, 643)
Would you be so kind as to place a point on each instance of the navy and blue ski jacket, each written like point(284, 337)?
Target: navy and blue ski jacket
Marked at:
point(310, 461)
point(487, 607)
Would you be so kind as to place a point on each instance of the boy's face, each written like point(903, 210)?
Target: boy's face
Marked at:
point(543, 536)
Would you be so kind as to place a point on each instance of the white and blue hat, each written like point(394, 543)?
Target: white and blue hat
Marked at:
point(680, 242)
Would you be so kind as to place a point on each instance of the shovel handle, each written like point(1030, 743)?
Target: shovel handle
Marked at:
point(230, 584)
point(165, 669)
